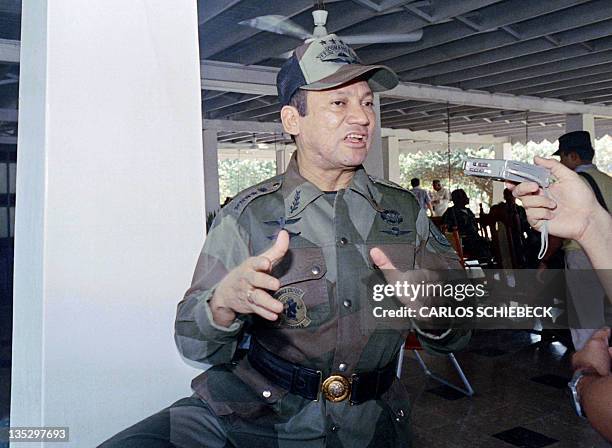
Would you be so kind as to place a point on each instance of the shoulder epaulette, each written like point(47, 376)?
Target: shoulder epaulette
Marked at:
point(387, 183)
point(244, 198)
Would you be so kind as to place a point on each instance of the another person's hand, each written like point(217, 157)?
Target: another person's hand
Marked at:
point(595, 355)
point(244, 289)
point(571, 205)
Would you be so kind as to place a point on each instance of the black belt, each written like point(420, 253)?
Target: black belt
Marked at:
point(307, 382)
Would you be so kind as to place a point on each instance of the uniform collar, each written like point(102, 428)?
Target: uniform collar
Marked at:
point(362, 184)
point(299, 192)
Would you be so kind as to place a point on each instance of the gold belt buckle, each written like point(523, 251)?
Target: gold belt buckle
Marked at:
point(336, 388)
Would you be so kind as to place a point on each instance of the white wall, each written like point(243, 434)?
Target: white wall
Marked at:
point(110, 211)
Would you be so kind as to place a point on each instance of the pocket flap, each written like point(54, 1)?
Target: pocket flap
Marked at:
point(301, 264)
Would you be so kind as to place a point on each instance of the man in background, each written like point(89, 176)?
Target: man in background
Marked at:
point(421, 194)
point(439, 198)
point(459, 217)
point(584, 289)
point(525, 240)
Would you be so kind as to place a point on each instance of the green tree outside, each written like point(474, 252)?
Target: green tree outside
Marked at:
point(431, 165)
point(237, 174)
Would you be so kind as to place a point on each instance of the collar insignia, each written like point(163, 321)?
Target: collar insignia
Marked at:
point(296, 202)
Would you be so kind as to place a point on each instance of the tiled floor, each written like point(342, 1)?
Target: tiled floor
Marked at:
point(520, 401)
point(521, 397)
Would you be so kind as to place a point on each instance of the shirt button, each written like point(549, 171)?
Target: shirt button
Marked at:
point(343, 241)
point(334, 428)
point(266, 393)
point(347, 303)
point(342, 367)
point(316, 270)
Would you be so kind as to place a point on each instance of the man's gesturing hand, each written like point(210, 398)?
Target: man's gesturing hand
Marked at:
point(243, 289)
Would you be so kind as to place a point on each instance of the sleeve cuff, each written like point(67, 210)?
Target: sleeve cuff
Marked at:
point(207, 325)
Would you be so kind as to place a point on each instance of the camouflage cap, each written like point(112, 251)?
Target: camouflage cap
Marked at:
point(327, 62)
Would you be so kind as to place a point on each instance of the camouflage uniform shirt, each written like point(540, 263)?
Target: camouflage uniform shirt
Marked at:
point(322, 284)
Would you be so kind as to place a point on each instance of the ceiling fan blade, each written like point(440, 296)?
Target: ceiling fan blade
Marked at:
point(357, 39)
point(277, 24)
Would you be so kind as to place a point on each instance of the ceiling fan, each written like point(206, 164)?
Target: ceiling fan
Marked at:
point(283, 25)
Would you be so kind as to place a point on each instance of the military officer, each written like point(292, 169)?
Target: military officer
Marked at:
point(289, 262)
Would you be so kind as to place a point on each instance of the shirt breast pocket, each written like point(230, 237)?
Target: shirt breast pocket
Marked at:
point(303, 288)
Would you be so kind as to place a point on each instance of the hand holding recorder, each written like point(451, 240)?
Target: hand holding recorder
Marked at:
point(571, 209)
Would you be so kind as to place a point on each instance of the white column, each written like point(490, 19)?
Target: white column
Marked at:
point(211, 170)
point(110, 211)
point(390, 154)
point(581, 122)
point(502, 151)
point(374, 162)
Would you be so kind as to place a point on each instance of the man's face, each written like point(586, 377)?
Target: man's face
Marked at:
point(338, 128)
point(570, 160)
point(437, 186)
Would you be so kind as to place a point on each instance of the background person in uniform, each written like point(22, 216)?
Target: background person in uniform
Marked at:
point(439, 198)
point(421, 194)
point(328, 223)
point(588, 303)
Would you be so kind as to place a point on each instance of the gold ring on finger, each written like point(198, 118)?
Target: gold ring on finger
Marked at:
point(250, 296)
